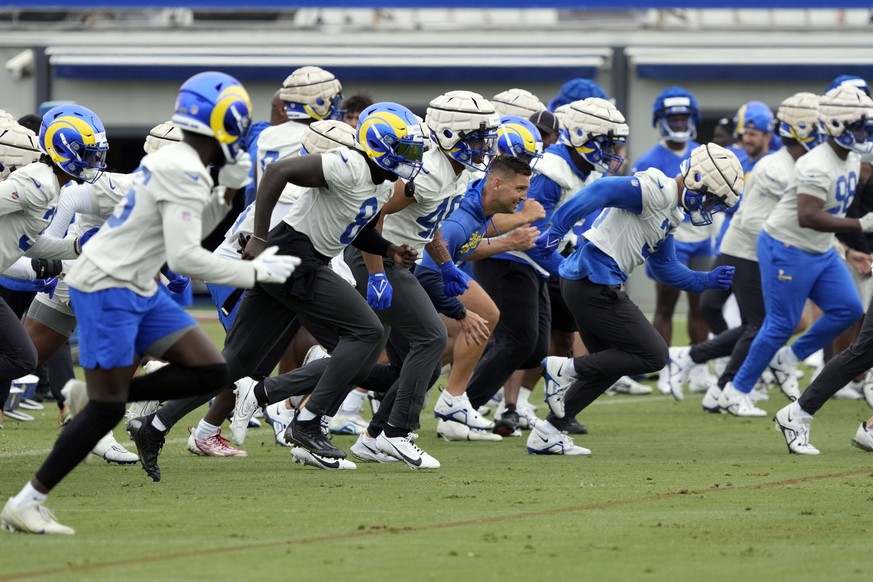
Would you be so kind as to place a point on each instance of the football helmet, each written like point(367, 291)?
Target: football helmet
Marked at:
point(161, 135)
point(852, 80)
point(517, 102)
point(18, 145)
point(74, 138)
point(217, 105)
point(753, 115)
point(327, 134)
point(312, 93)
point(594, 127)
point(464, 125)
point(713, 179)
point(847, 115)
point(798, 118)
point(576, 90)
point(519, 138)
point(391, 136)
point(673, 102)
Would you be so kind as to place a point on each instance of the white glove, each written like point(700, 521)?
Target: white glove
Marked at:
point(273, 268)
point(866, 222)
point(238, 174)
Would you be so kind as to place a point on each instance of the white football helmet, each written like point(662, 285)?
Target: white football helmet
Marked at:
point(594, 127)
point(161, 135)
point(847, 116)
point(713, 179)
point(18, 145)
point(517, 102)
point(312, 93)
point(464, 125)
point(325, 135)
point(798, 118)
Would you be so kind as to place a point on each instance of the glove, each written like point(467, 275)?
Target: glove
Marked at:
point(273, 268)
point(45, 268)
point(238, 174)
point(379, 291)
point(721, 277)
point(46, 286)
point(83, 238)
point(866, 222)
point(454, 279)
point(177, 283)
point(547, 243)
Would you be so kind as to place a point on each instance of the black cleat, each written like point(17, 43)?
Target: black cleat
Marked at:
point(568, 425)
point(508, 425)
point(149, 441)
point(308, 434)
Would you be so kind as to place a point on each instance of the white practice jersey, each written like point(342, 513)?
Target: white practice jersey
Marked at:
point(245, 225)
point(28, 198)
point(820, 173)
point(768, 181)
point(628, 237)
point(438, 192)
point(278, 142)
point(162, 218)
point(332, 217)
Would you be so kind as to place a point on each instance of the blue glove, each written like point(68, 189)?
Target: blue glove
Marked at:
point(454, 279)
point(379, 291)
point(547, 243)
point(721, 277)
point(177, 283)
point(46, 286)
point(84, 237)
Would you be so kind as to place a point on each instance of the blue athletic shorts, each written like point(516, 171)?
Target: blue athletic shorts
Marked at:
point(116, 324)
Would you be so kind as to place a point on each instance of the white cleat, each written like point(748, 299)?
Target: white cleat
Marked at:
point(407, 451)
point(795, 429)
point(699, 379)
point(352, 424)
point(867, 389)
point(109, 449)
point(33, 518)
point(784, 368)
point(244, 409)
point(280, 417)
point(308, 458)
point(851, 391)
point(539, 443)
point(863, 438)
point(455, 431)
point(141, 408)
point(75, 393)
point(739, 403)
point(557, 383)
point(679, 366)
point(213, 446)
point(459, 409)
point(527, 416)
point(316, 352)
point(710, 399)
point(365, 449)
point(627, 385)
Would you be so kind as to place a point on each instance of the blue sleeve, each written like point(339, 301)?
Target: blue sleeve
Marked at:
point(617, 192)
point(668, 270)
point(548, 194)
point(432, 282)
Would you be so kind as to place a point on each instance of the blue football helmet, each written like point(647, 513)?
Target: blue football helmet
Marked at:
point(576, 90)
point(671, 103)
point(753, 115)
point(217, 105)
point(852, 80)
point(391, 136)
point(518, 137)
point(74, 138)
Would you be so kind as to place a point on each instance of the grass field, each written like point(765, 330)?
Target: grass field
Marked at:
point(670, 493)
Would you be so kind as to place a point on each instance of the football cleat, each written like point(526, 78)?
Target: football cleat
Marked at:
point(213, 446)
point(280, 417)
point(507, 423)
point(309, 435)
point(795, 429)
point(244, 409)
point(863, 438)
point(404, 449)
point(149, 441)
point(627, 385)
point(784, 368)
point(851, 391)
point(699, 379)
point(557, 383)
point(558, 443)
point(738, 403)
point(459, 409)
point(569, 426)
point(304, 457)
point(710, 399)
point(365, 449)
point(33, 518)
point(348, 424)
point(455, 431)
point(109, 449)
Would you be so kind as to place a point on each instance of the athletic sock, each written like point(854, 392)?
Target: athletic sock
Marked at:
point(205, 430)
point(157, 424)
point(546, 427)
point(354, 403)
point(568, 368)
point(305, 415)
point(28, 494)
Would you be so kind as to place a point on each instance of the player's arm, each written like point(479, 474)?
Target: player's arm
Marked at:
point(667, 269)
point(811, 214)
point(612, 192)
point(77, 198)
point(403, 196)
point(520, 239)
point(530, 211)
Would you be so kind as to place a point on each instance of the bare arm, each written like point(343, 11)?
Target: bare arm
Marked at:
point(519, 239)
point(398, 201)
point(811, 214)
point(503, 223)
point(437, 248)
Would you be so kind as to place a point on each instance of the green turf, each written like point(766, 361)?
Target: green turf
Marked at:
point(669, 494)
